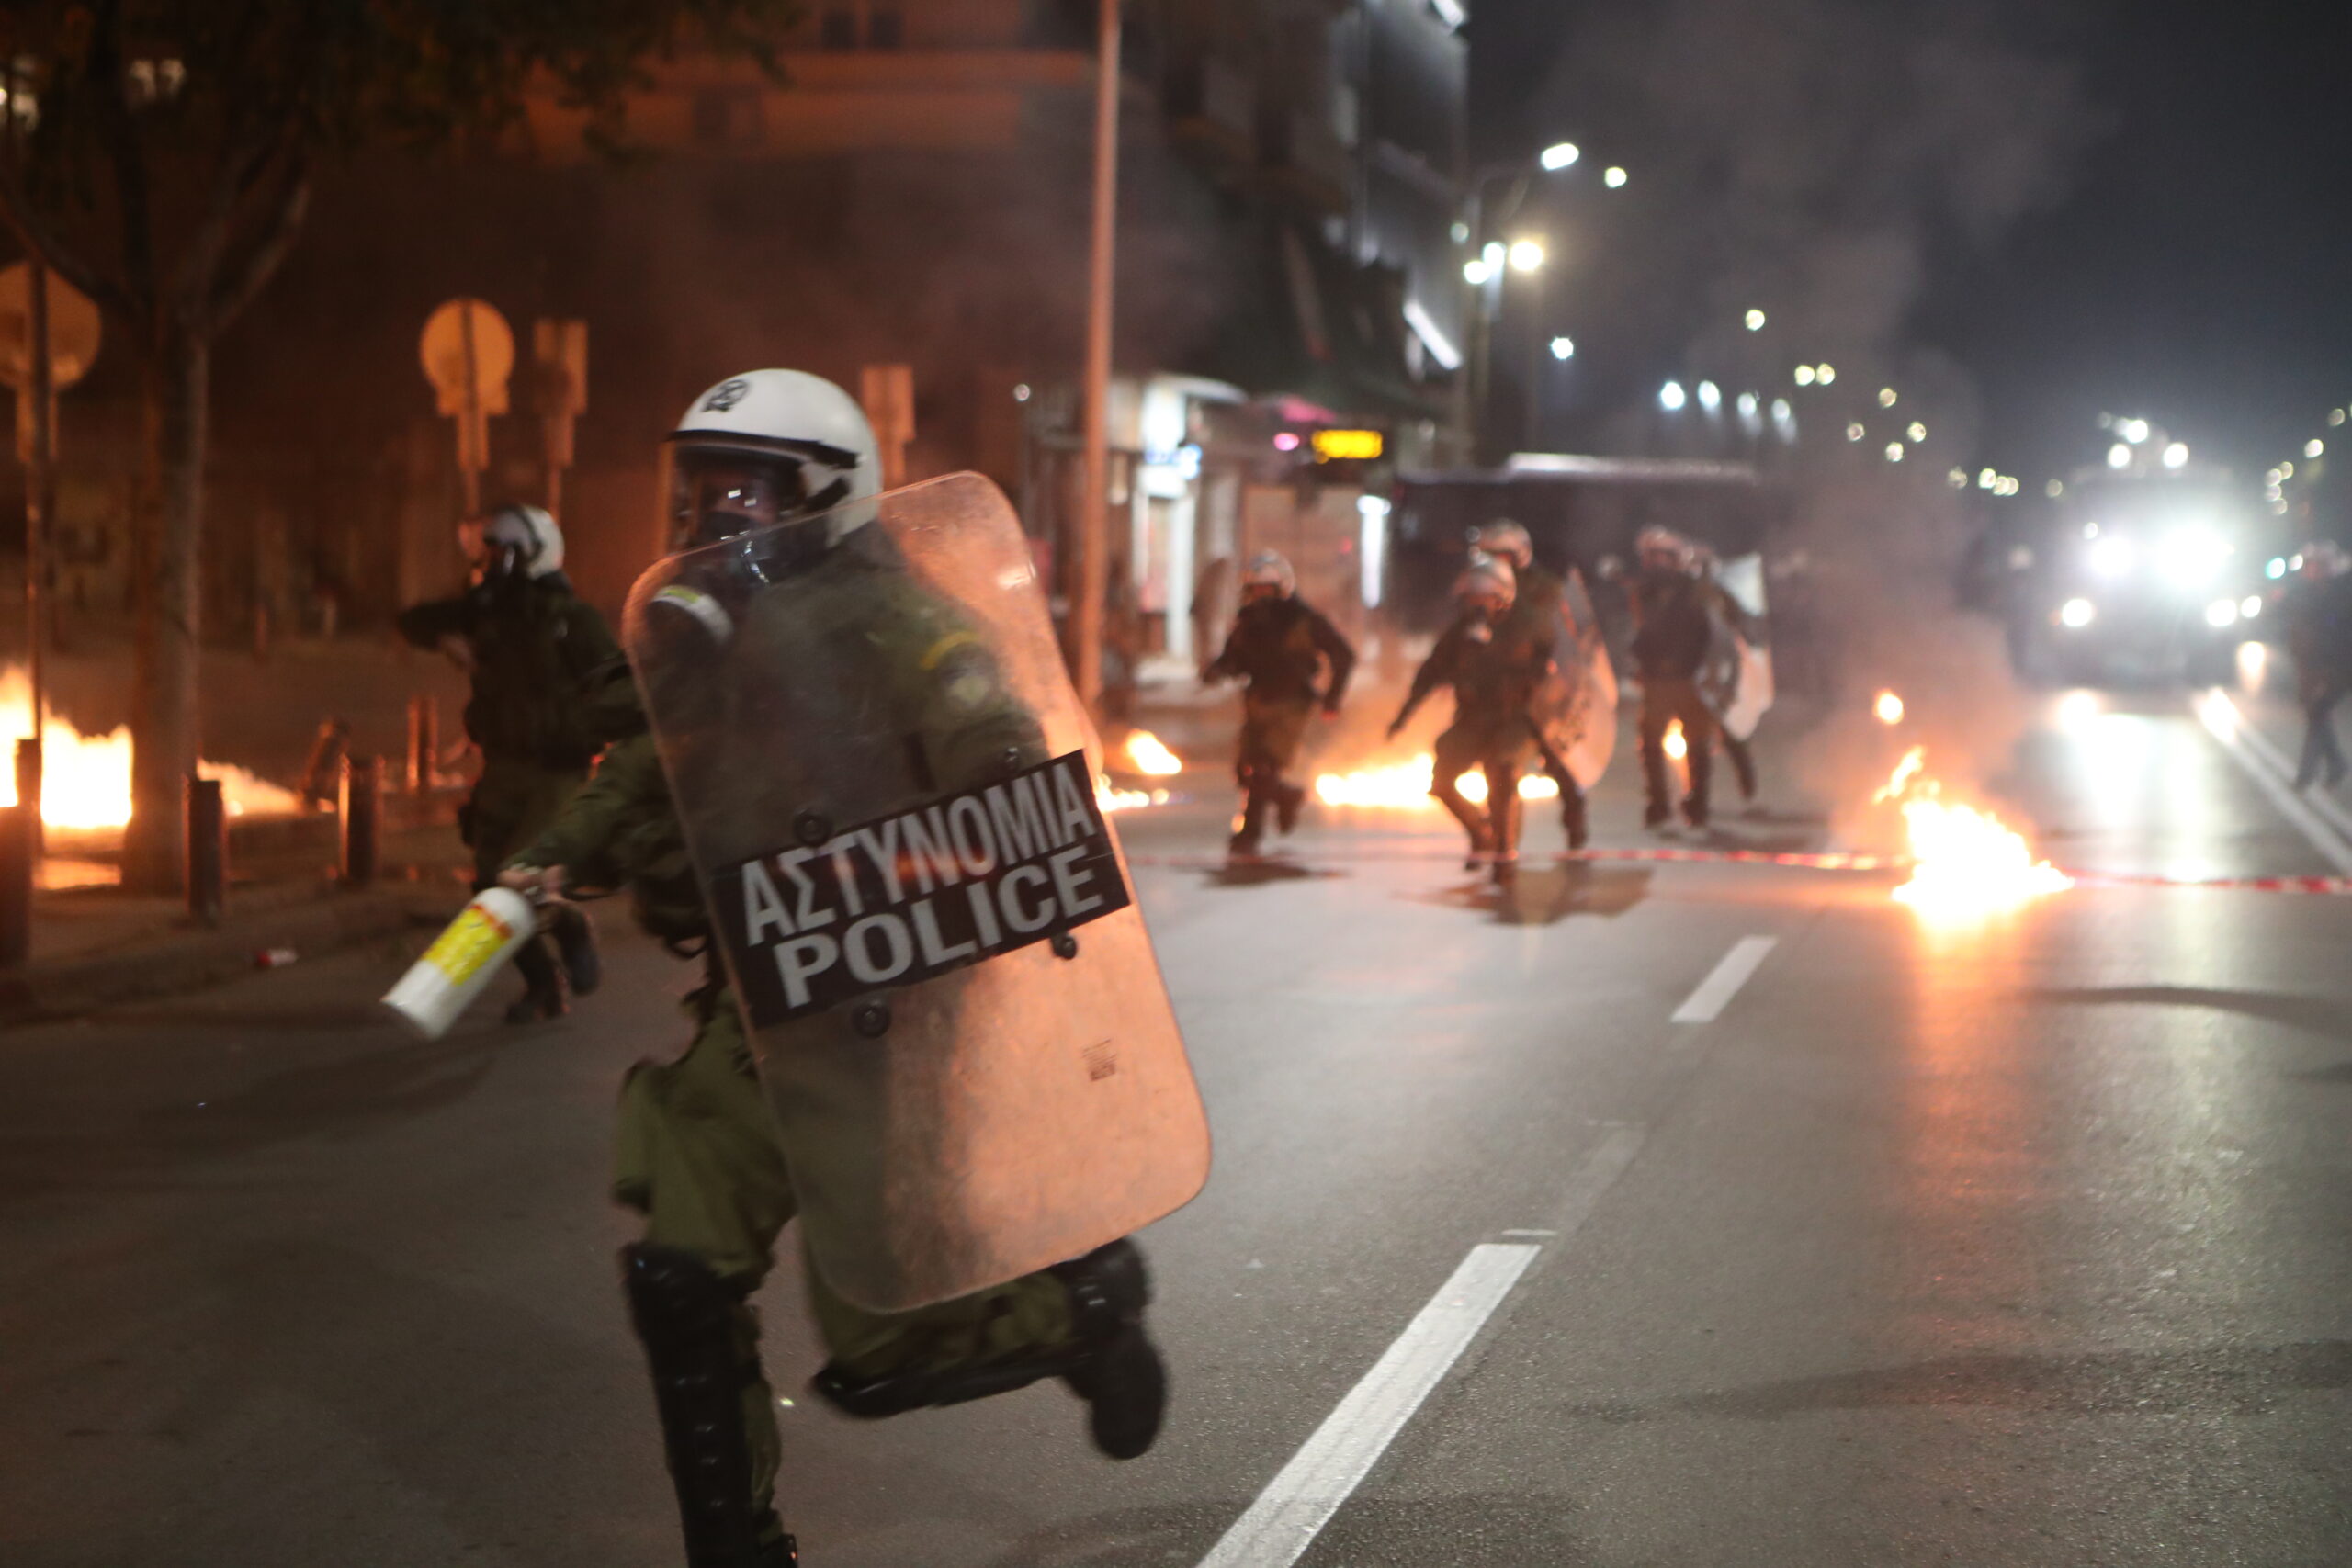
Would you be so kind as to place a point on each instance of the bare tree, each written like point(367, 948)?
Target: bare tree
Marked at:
point(159, 155)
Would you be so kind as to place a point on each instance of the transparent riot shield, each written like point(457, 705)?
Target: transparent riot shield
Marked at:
point(888, 786)
point(1736, 680)
point(1574, 707)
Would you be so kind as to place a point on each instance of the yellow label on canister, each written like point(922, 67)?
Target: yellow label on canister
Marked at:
point(472, 939)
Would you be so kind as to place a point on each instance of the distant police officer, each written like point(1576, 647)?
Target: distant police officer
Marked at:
point(1535, 617)
point(1492, 671)
point(701, 1152)
point(1280, 646)
point(1738, 629)
point(532, 649)
point(1672, 631)
point(2318, 606)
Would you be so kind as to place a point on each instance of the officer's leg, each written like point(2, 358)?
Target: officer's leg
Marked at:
point(698, 1156)
point(1698, 735)
point(1742, 755)
point(1574, 815)
point(1451, 759)
point(1656, 782)
point(1501, 769)
point(1253, 770)
point(1285, 732)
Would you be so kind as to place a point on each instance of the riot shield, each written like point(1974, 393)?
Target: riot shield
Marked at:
point(1574, 707)
point(1736, 680)
point(888, 786)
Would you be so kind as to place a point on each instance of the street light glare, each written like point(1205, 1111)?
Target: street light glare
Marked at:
point(1672, 398)
point(1755, 321)
point(2176, 455)
point(1526, 256)
point(1564, 348)
point(1895, 451)
point(1711, 397)
point(1855, 432)
point(1476, 271)
point(2119, 456)
point(1825, 375)
point(2132, 430)
point(2314, 447)
point(1614, 179)
point(1886, 397)
point(1805, 375)
point(1918, 432)
point(1560, 155)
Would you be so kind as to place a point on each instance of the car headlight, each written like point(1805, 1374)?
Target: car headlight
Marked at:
point(2192, 556)
point(2222, 612)
point(2078, 613)
point(2109, 556)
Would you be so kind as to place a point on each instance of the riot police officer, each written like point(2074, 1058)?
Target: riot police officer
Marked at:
point(1672, 633)
point(532, 647)
point(1280, 644)
point(701, 1154)
point(1535, 615)
point(1492, 670)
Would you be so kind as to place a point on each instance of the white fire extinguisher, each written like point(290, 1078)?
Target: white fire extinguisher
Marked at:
point(463, 960)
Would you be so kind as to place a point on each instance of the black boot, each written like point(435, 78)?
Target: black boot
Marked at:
point(542, 985)
point(575, 943)
point(1575, 820)
point(1256, 801)
point(686, 1317)
point(1110, 1362)
point(1288, 800)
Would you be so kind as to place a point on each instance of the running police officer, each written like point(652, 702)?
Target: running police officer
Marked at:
point(1536, 615)
point(533, 647)
point(1672, 633)
point(1492, 671)
point(1280, 646)
point(779, 470)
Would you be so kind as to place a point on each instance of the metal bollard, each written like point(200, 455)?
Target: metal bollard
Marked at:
point(208, 849)
point(424, 742)
point(16, 858)
point(28, 789)
point(362, 824)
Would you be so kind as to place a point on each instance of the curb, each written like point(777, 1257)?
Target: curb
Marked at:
point(192, 960)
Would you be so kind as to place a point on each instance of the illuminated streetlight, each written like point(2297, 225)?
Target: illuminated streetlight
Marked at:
point(1886, 397)
point(1755, 321)
point(1987, 480)
point(1748, 404)
point(1461, 233)
point(1564, 348)
point(1476, 271)
point(1825, 375)
point(1614, 179)
point(1855, 432)
point(2119, 455)
point(1918, 431)
point(1958, 479)
point(1711, 397)
point(1526, 256)
point(1672, 398)
point(2132, 430)
point(2286, 470)
point(2176, 455)
point(2054, 489)
point(1781, 412)
point(1895, 451)
point(2335, 416)
point(1560, 154)
point(2314, 447)
point(1805, 375)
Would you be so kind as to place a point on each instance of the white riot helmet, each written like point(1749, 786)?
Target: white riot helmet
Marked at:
point(1505, 540)
point(513, 543)
point(1269, 568)
point(771, 446)
point(1487, 583)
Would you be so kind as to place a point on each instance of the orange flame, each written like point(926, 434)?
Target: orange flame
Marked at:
point(1966, 863)
point(1405, 786)
point(1108, 797)
point(1675, 744)
point(86, 779)
point(1150, 756)
point(1889, 708)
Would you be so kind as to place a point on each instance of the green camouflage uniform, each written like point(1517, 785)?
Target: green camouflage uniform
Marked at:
point(699, 1152)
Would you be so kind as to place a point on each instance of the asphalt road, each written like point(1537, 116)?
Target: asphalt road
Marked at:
point(1676, 1214)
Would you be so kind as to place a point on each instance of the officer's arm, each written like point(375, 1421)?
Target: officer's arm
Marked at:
point(425, 624)
point(627, 783)
point(1226, 665)
point(970, 723)
point(1342, 658)
point(1435, 671)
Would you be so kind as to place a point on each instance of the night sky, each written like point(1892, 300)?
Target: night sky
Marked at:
point(2190, 260)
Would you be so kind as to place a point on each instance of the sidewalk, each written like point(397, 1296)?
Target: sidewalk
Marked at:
point(94, 946)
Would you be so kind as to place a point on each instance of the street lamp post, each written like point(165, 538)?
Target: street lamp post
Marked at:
point(1484, 272)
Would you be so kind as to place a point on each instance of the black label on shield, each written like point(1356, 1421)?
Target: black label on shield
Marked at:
point(898, 900)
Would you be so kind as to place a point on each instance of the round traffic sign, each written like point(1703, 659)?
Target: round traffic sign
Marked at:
point(73, 329)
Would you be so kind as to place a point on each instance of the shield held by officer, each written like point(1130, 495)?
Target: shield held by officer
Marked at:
point(888, 786)
point(1575, 706)
point(1736, 680)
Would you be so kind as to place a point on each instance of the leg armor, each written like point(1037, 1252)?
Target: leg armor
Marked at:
point(689, 1322)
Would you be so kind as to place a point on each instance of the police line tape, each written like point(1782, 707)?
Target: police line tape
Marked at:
point(1826, 860)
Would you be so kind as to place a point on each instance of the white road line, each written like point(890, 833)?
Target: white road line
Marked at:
point(1291, 1511)
point(2269, 769)
point(1715, 992)
point(1296, 1505)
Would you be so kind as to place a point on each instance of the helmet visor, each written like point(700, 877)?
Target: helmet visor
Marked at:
point(715, 494)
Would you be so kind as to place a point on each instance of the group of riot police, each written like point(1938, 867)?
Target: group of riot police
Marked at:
point(1531, 684)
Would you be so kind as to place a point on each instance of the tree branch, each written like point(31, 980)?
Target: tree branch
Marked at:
point(245, 274)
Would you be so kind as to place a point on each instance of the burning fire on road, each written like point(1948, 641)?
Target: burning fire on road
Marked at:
point(86, 779)
point(1966, 863)
point(1405, 786)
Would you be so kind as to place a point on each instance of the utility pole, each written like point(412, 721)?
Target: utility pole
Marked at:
point(1090, 567)
point(41, 497)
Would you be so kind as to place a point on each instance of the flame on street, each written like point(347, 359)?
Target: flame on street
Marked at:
point(1108, 797)
point(1674, 744)
point(1889, 708)
point(1405, 786)
point(1149, 757)
point(86, 779)
point(1965, 863)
